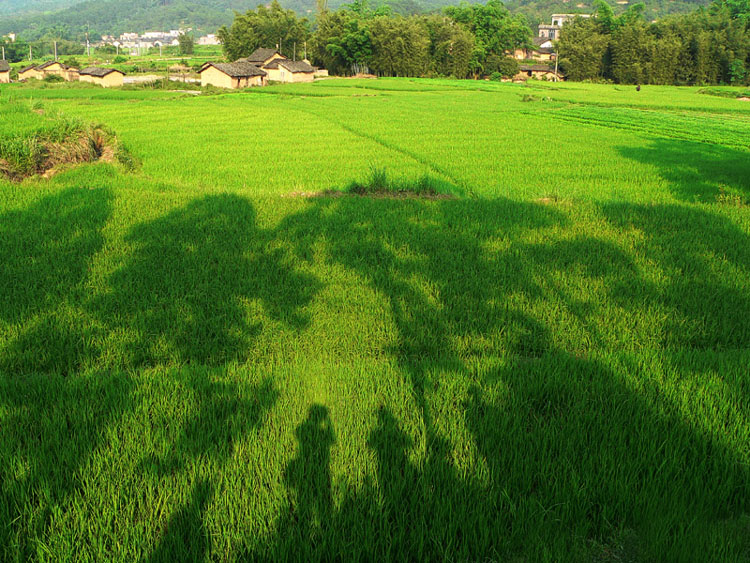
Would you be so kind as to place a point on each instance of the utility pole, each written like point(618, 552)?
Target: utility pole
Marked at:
point(3, 52)
point(55, 50)
point(30, 57)
point(305, 50)
point(88, 44)
point(557, 57)
point(294, 55)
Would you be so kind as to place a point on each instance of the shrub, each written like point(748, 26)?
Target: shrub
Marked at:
point(496, 76)
point(508, 67)
point(53, 78)
point(119, 59)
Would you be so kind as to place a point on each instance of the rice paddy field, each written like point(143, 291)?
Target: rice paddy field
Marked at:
point(202, 358)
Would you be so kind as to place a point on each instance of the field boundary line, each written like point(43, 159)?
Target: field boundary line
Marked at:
point(421, 160)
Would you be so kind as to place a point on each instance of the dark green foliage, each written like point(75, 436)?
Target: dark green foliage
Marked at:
point(508, 67)
point(451, 47)
point(264, 27)
point(400, 46)
point(702, 48)
point(341, 43)
point(187, 44)
point(495, 29)
point(15, 51)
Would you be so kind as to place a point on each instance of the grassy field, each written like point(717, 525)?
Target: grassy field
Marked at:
point(198, 361)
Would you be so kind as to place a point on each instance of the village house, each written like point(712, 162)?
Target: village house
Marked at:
point(261, 57)
point(4, 72)
point(30, 72)
point(240, 74)
point(56, 68)
point(262, 66)
point(105, 77)
point(284, 70)
point(540, 72)
point(542, 50)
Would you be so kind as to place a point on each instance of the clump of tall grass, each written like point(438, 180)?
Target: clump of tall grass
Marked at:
point(380, 183)
point(39, 142)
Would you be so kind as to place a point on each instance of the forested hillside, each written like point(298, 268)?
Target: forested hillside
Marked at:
point(118, 16)
point(17, 7)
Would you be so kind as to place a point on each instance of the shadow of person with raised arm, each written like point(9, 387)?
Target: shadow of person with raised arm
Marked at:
point(186, 293)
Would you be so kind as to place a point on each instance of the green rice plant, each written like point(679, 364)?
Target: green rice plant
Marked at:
point(221, 355)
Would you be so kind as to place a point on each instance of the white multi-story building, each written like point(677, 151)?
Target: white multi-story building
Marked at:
point(558, 20)
point(209, 39)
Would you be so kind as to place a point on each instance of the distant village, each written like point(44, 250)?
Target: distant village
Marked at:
point(135, 44)
point(266, 65)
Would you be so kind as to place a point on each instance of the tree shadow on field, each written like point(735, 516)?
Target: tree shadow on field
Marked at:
point(45, 251)
point(703, 259)
point(182, 297)
point(697, 172)
point(580, 453)
point(227, 411)
point(51, 425)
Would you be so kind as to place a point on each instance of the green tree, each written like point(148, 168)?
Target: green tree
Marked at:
point(187, 44)
point(495, 29)
point(451, 46)
point(400, 46)
point(264, 27)
point(508, 67)
point(629, 53)
point(737, 72)
point(583, 50)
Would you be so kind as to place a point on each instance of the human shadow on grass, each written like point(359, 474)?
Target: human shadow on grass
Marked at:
point(567, 469)
point(227, 411)
point(698, 172)
point(567, 461)
point(45, 252)
point(182, 297)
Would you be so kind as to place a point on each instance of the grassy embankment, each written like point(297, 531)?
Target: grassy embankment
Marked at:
point(553, 364)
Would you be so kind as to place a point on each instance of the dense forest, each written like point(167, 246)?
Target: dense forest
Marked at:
point(709, 46)
point(33, 19)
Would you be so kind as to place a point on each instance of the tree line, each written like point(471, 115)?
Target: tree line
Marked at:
point(462, 41)
point(708, 46)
